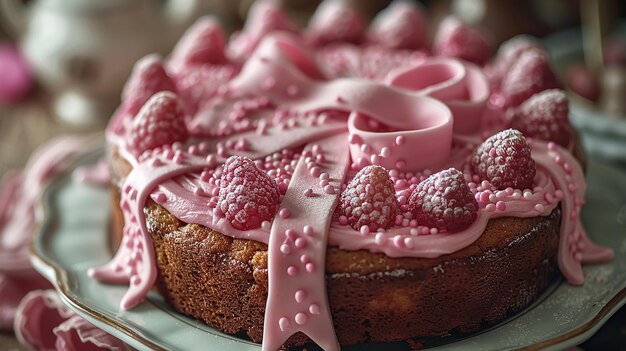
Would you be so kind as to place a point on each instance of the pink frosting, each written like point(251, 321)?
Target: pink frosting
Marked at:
point(311, 133)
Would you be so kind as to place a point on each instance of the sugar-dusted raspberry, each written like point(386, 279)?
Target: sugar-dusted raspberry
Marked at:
point(530, 74)
point(248, 196)
point(203, 42)
point(335, 21)
point(444, 201)
point(160, 121)
point(544, 116)
point(456, 39)
point(507, 55)
point(504, 160)
point(369, 199)
point(402, 25)
point(148, 78)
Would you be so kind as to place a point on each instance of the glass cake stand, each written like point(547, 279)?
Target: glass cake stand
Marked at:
point(73, 238)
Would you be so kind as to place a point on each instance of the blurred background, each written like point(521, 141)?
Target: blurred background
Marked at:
point(63, 64)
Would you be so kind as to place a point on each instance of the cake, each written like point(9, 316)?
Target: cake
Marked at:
point(341, 184)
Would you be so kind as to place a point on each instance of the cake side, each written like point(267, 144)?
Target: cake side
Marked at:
point(373, 298)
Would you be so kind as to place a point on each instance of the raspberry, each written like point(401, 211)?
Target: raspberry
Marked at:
point(369, 199)
point(248, 196)
point(203, 42)
point(544, 116)
point(508, 53)
point(444, 201)
point(148, 78)
point(504, 160)
point(455, 39)
point(159, 122)
point(335, 21)
point(400, 26)
point(529, 75)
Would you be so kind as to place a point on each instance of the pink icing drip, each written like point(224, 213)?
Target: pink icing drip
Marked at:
point(134, 260)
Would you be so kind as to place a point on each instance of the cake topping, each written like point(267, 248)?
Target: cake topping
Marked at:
point(335, 21)
point(444, 201)
point(402, 25)
point(159, 122)
point(148, 78)
point(204, 42)
point(544, 116)
point(369, 200)
point(530, 74)
point(505, 161)
point(456, 39)
point(508, 53)
point(263, 17)
point(247, 196)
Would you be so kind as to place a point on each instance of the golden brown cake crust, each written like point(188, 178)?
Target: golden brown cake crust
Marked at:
point(373, 298)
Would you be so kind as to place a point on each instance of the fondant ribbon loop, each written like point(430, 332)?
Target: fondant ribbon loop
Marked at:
point(399, 124)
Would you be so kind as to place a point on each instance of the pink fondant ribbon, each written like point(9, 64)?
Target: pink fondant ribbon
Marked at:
point(425, 123)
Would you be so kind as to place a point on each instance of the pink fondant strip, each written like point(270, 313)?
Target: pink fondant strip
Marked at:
point(297, 298)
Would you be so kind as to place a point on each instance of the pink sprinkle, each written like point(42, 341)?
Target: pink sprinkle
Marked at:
point(315, 171)
point(310, 267)
point(286, 249)
point(571, 187)
point(490, 207)
point(300, 295)
point(320, 158)
point(567, 167)
point(402, 199)
point(300, 243)
point(400, 164)
point(284, 213)
point(434, 231)
point(300, 318)
point(343, 220)
point(527, 195)
point(400, 140)
point(308, 192)
point(324, 176)
point(305, 259)
point(385, 152)
point(366, 149)
point(292, 270)
point(539, 207)
point(179, 159)
point(492, 197)
point(354, 139)
point(156, 163)
point(323, 183)
point(379, 239)
point(509, 191)
point(558, 159)
point(308, 230)
point(161, 198)
point(266, 225)
point(398, 241)
point(364, 229)
point(375, 159)
point(328, 189)
point(283, 323)
point(314, 309)
point(501, 206)
point(291, 234)
point(551, 146)
point(409, 243)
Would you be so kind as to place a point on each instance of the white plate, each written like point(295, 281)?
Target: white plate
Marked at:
point(74, 238)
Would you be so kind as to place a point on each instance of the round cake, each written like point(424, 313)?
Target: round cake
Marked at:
point(345, 183)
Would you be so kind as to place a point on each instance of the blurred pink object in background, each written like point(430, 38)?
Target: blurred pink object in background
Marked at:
point(16, 80)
